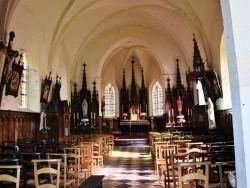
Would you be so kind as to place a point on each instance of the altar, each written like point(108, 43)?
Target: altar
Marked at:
point(134, 127)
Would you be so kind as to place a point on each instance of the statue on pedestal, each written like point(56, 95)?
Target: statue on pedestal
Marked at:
point(210, 112)
point(179, 105)
point(84, 108)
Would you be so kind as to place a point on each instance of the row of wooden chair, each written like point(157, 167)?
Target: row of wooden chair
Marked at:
point(79, 159)
point(162, 150)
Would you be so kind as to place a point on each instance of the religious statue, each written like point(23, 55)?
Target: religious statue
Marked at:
point(179, 105)
point(84, 108)
point(210, 111)
point(43, 127)
point(8, 69)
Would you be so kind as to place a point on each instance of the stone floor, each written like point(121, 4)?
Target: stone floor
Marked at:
point(129, 166)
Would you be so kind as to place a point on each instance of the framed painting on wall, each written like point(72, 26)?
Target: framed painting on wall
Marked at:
point(46, 89)
point(14, 81)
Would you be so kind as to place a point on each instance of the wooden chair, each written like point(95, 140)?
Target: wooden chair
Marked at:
point(191, 145)
point(45, 170)
point(111, 144)
point(65, 180)
point(28, 168)
point(172, 170)
point(224, 170)
point(97, 155)
point(194, 175)
point(181, 145)
point(74, 167)
point(87, 161)
point(164, 154)
point(158, 159)
point(6, 177)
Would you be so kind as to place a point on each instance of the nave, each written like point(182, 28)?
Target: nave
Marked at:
point(129, 166)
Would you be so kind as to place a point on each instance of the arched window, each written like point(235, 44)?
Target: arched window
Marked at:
point(157, 99)
point(24, 85)
point(109, 101)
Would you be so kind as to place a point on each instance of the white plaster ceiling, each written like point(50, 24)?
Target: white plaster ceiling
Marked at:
point(61, 35)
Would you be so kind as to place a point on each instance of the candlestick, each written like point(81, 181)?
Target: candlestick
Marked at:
point(169, 116)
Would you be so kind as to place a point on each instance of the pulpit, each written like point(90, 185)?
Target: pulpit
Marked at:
point(42, 136)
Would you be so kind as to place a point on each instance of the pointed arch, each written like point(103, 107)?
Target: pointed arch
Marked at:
point(157, 99)
point(110, 100)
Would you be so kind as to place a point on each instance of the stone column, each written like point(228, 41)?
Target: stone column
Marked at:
point(237, 26)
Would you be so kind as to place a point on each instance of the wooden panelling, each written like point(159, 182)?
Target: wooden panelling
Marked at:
point(224, 122)
point(17, 125)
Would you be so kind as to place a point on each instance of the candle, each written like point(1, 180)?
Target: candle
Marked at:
point(77, 115)
point(91, 115)
point(188, 111)
point(172, 112)
point(191, 112)
point(169, 113)
point(94, 115)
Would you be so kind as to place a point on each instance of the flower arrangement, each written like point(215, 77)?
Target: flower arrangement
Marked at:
point(124, 115)
point(143, 115)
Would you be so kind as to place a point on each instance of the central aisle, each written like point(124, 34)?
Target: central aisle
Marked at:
point(129, 166)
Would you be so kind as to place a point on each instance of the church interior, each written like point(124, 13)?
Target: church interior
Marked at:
point(158, 78)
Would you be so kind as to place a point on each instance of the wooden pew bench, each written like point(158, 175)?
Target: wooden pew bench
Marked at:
point(94, 181)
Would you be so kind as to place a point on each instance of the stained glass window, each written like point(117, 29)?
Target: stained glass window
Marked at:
point(24, 85)
point(109, 101)
point(157, 99)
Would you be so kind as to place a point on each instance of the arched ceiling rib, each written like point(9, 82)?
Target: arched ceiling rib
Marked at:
point(141, 9)
point(76, 26)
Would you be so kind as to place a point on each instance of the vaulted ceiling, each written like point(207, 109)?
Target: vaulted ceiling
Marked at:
point(61, 35)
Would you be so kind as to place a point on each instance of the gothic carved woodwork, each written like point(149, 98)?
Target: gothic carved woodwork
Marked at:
point(57, 113)
point(133, 92)
point(208, 78)
point(46, 89)
point(95, 105)
point(200, 119)
point(179, 100)
point(143, 97)
point(198, 72)
point(84, 107)
point(124, 97)
point(84, 94)
point(169, 102)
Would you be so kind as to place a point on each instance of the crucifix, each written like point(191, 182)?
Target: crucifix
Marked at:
point(10, 56)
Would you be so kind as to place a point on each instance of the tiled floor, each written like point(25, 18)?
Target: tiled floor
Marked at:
point(129, 166)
